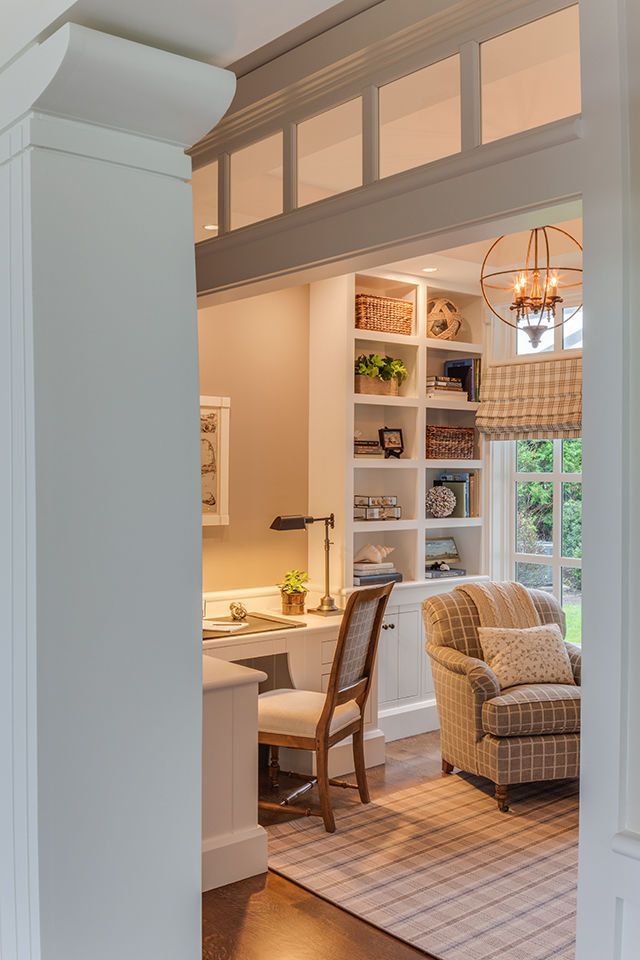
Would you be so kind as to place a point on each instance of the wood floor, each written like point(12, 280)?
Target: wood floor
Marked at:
point(270, 918)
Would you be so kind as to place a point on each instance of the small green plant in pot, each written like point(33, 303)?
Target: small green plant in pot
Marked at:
point(379, 375)
point(294, 591)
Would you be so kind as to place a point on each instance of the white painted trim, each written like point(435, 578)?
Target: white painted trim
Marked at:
point(626, 843)
point(408, 720)
point(233, 856)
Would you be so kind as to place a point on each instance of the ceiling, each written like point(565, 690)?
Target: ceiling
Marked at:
point(215, 31)
point(459, 267)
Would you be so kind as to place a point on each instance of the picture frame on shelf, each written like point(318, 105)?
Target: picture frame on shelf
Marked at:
point(441, 550)
point(214, 460)
point(391, 441)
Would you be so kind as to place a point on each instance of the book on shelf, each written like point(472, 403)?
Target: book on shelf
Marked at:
point(468, 371)
point(365, 567)
point(465, 485)
point(458, 397)
point(373, 579)
point(439, 574)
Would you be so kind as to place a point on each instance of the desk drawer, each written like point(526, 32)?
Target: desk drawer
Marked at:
point(328, 651)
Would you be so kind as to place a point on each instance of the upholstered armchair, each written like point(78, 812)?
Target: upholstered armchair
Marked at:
point(515, 735)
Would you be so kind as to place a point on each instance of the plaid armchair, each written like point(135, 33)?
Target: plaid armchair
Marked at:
point(516, 735)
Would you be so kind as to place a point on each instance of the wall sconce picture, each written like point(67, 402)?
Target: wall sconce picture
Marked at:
point(214, 459)
point(391, 441)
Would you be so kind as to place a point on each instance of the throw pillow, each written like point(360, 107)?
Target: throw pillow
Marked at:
point(528, 655)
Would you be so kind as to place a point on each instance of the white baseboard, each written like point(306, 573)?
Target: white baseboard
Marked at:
point(409, 719)
point(340, 756)
point(233, 856)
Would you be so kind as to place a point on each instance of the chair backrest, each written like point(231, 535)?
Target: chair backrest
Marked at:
point(355, 655)
point(451, 619)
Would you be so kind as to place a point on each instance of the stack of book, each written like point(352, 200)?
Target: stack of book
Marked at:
point(367, 448)
point(367, 574)
point(449, 387)
point(467, 371)
point(466, 488)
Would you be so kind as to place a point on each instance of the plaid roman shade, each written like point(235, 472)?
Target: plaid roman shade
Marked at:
point(535, 400)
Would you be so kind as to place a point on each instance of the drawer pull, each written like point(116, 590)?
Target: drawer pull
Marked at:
point(388, 626)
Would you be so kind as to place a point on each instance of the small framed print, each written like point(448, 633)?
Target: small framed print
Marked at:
point(391, 441)
point(214, 460)
point(441, 550)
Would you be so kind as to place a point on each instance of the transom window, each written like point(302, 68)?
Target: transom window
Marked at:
point(547, 522)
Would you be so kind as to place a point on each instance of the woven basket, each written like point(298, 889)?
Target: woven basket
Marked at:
point(383, 314)
point(450, 443)
point(376, 387)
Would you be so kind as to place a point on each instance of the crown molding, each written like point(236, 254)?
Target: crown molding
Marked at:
point(86, 75)
point(297, 86)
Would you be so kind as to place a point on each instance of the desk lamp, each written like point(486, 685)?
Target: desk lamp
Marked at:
point(328, 606)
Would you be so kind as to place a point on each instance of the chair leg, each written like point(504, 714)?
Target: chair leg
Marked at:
point(447, 768)
point(322, 763)
point(502, 797)
point(361, 770)
point(274, 767)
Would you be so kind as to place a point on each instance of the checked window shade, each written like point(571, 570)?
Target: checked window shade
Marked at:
point(535, 400)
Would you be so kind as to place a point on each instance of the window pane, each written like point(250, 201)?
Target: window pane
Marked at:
point(330, 152)
point(572, 602)
point(256, 182)
point(523, 344)
point(572, 328)
point(534, 517)
point(531, 75)
point(204, 187)
point(536, 576)
point(420, 117)
point(534, 456)
point(571, 519)
point(572, 455)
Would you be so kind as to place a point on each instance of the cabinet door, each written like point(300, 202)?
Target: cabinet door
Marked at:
point(388, 660)
point(409, 660)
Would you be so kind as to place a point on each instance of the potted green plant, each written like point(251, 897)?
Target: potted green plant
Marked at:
point(294, 591)
point(379, 375)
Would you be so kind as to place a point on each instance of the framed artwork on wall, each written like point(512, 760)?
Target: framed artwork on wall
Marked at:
point(214, 459)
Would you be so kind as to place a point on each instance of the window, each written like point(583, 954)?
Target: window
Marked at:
point(256, 181)
point(330, 152)
point(531, 75)
point(204, 187)
point(547, 514)
point(420, 117)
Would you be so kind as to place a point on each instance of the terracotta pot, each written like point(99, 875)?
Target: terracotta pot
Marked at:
point(293, 603)
point(376, 387)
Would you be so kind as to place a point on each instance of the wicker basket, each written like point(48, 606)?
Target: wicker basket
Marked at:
point(450, 443)
point(376, 387)
point(383, 314)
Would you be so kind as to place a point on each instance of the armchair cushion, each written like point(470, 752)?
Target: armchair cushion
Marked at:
point(527, 655)
point(533, 709)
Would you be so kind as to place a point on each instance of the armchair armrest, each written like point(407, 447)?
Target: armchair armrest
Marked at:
point(575, 656)
point(479, 675)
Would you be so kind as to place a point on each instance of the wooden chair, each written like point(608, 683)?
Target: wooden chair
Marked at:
point(308, 720)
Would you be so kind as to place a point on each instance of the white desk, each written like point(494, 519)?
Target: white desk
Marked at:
point(233, 845)
point(310, 651)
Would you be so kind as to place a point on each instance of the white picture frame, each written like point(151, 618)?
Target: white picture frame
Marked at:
point(214, 460)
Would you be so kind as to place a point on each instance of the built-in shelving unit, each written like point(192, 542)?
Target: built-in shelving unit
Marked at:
point(336, 475)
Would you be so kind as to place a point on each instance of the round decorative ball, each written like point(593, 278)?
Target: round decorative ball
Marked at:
point(443, 319)
point(440, 502)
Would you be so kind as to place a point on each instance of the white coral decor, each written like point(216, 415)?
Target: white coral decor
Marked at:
point(440, 502)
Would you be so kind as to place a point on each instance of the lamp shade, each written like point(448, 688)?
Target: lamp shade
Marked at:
point(293, 522)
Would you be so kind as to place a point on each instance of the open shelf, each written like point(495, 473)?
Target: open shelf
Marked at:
point(395, 338)
point(444, 404)
point(439, 523)
point(455, 346)
point(374, 401)
point(379, 526)
point(454, 464)
point(376, 463)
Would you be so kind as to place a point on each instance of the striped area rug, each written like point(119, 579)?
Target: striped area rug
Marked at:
point(439, 866)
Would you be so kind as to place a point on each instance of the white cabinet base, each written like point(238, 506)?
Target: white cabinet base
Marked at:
point(408, 720)
point(233, 856)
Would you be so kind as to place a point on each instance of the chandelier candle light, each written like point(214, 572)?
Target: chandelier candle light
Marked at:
point(535, 285)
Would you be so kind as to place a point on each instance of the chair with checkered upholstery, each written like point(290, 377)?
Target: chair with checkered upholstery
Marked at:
point(308, 720)
point(516, 735)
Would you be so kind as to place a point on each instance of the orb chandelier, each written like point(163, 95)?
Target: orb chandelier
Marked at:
point(534, 286)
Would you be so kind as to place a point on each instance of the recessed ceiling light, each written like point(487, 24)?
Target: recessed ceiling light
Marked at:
point(429, 269)
point(210, 226)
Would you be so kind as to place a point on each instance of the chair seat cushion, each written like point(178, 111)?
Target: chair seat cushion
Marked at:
point(533, 709)
point(295, 713)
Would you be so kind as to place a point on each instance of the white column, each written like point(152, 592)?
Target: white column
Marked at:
point(609, 885)
point(100, 651)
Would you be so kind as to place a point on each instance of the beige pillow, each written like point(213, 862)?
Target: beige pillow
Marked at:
point(528, 655)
